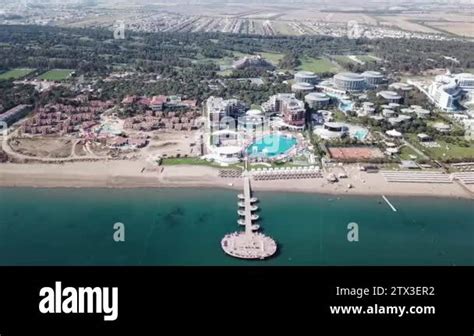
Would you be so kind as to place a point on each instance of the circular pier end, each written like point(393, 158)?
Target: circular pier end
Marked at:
point(244, 245)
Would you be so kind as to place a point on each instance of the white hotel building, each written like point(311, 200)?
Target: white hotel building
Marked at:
point(447, 90)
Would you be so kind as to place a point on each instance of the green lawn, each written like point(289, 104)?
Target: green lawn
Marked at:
point(450, 151)
point(16, 73)
point(224, 73)
point(184, 161)
point(446, 151)
point(193, 161)
point(56, 74)
point(272, 57)
point(366, 58)
point(339, 116)
point(343, 60)
point(405, 153)
point(318, 65)
point(226, 61)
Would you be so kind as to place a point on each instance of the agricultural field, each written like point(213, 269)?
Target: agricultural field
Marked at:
point(318, 65)
point(283, 28)
point(16, 73)
point(56, 74)
point(457, 28)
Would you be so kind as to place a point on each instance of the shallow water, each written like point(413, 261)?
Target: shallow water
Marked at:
point(185, 226)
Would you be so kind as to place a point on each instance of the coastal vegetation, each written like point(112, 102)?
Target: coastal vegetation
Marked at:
point(94, 51)
point(12, 95)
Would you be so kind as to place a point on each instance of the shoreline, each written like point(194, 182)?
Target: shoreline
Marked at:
point(132, 174)
point(210, 187)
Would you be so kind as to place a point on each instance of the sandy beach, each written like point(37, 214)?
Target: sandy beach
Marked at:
point(136, 174)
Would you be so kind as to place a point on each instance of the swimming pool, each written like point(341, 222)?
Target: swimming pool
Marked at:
point(271, 145)
point(360, 134)
point(345, 105)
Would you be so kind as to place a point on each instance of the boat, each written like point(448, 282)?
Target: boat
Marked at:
point(241, 222)
point(255, 217)
point(241, 212)
point(255, 227)
point(241, 204)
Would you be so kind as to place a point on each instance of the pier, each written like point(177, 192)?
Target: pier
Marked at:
point(388, 202)
point(248, 244)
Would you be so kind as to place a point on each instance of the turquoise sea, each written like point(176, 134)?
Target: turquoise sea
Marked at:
point(185, 226)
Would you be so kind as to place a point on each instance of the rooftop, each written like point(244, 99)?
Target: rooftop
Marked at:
point(306, 74)
point(349, 76)
point(372, 74)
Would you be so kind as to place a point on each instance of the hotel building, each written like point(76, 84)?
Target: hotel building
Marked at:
point(448, 90)
point(349, 81)
point(390, 96)
point(306, 77)
point(373, 78)
point(445, 92)
point(291, 109)
point(221, 112)
point(302, 87)
point(317, 100)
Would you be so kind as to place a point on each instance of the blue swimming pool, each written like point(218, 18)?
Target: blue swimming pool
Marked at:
point(360, 134)
point(345, 106)
point(271, 145)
